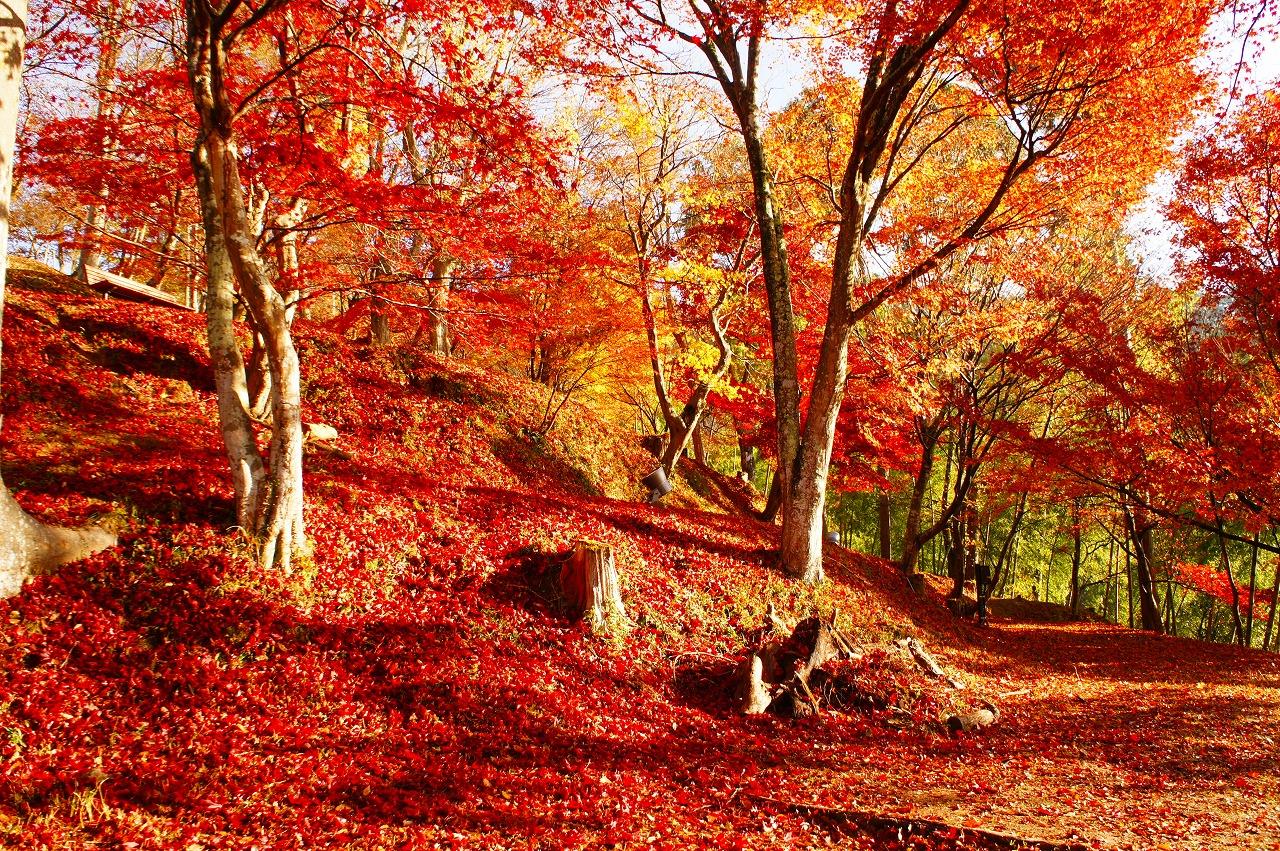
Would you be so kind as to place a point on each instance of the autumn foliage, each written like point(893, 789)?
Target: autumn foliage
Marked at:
point(445, 281)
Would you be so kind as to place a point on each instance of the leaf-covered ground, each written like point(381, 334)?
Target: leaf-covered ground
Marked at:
point(416, 685)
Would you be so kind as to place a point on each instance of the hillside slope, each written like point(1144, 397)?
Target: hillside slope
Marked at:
point(416, 685)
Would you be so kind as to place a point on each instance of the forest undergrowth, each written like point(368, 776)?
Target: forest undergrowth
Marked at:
point(415, 683)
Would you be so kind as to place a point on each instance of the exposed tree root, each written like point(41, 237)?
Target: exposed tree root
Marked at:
point(29, 548)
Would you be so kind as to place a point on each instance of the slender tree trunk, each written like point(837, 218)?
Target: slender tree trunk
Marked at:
point(884, 525)
point(1275, 599)
point(162, 262)
point(681, 425)
point(279, 528)
point(699, 449)
point(28, 548)
point(911, 537)
point(1128, 584)
point(286, 225)
point(1237, 627)
point(1074, 599)
point(773, 502)
point(747, 458)
point(1253, 589)
point(379, 323)
point(1015, 525)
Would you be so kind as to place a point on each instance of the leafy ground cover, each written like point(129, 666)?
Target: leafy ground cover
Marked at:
point(415, 684)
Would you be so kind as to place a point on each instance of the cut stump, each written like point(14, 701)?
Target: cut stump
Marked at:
point(782, 672)
point(589, 582)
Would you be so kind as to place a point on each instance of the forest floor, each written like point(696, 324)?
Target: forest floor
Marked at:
point(415, 683)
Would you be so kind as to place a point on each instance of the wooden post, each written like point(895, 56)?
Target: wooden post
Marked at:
point(589, 581)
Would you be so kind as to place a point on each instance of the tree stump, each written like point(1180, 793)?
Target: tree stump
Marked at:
point(781, 672)
point(589, 582)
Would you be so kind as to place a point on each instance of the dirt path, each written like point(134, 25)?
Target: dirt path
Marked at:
point(1121, 740)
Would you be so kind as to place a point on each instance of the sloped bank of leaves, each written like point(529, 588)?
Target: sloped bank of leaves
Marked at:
point(407, 689)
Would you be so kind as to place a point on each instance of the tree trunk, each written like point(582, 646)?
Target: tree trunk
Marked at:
point(439, 342)
point(589, 581)
point(379, 324)
point(747, 456)
point(1128, 584)
point(1253, 589)
point(279, 528)
point(699, 450)
point(1140, 533)
point(1074, 599)
point(27, 547)
point(772, 502)
point(259, 376)
point(248, 473)
point(912, 539)
point(287, 254)
point(1237, 627)
point(162, 262)
point(1275, 599)
point(683, 425)
point(884, 525)
point(782, 321)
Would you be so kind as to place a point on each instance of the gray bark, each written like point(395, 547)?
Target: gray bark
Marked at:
point(278, 528)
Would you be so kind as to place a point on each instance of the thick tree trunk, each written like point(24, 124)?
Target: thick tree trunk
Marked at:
point(27, 547)
point(379, 323)
point(439, 341)
point(248, 473)
point(279, 527)
point(1140, 533)
point(782, 321)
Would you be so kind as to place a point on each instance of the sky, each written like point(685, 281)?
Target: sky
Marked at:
point(785, 74)
point(1153, 234)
